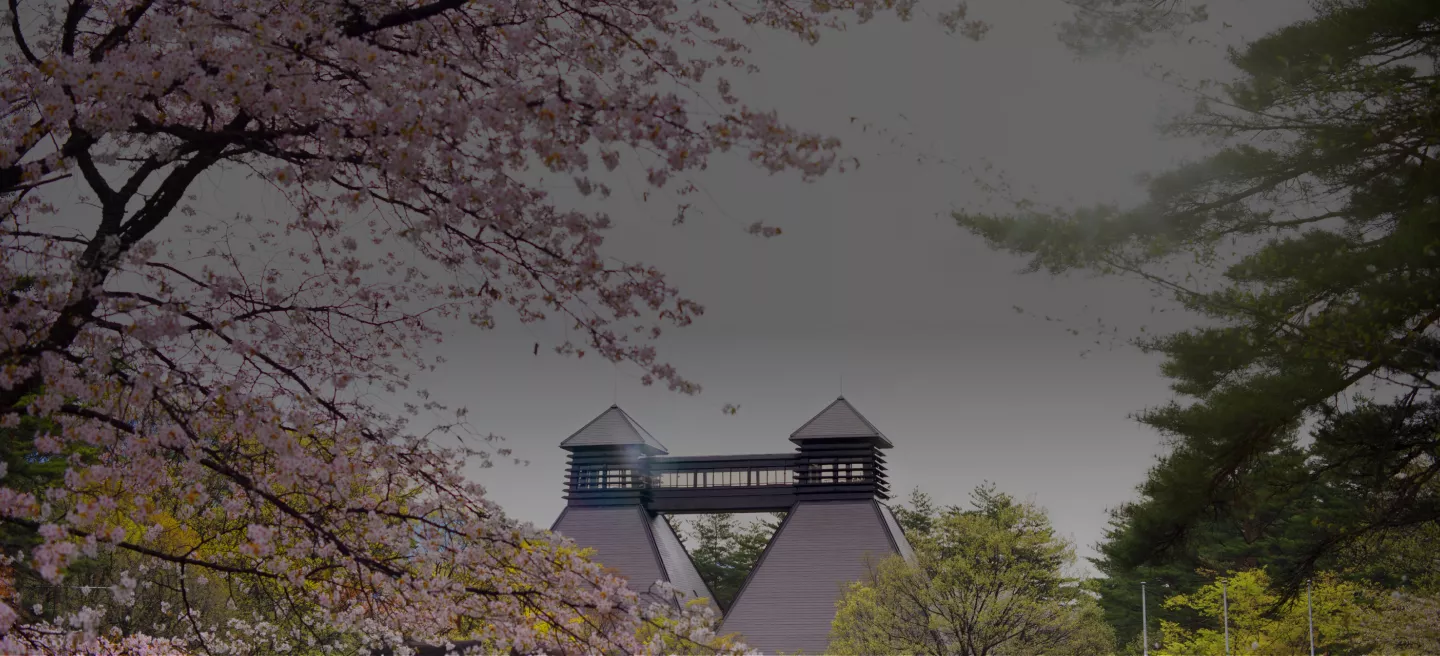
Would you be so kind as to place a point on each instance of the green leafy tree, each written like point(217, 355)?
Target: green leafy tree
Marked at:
point(1403, 560)
point(1267, 526)
point(1310, 244)
point(918, 514)
point(1403, 625)
point(1400, 560)
point(989, 580)
point(1262, 622)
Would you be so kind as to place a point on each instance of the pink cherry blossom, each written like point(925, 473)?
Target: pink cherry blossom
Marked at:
point(224, 369)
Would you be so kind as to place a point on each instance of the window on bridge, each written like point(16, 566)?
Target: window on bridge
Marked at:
point(727, 478)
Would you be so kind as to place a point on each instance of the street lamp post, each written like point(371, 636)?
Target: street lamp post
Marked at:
point(1310, 610)
point(1225, 611)
point(1145, 625)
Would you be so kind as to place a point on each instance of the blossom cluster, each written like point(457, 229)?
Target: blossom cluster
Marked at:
point(210, 382)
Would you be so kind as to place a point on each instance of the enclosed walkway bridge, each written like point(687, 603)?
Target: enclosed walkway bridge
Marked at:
point(620, 480)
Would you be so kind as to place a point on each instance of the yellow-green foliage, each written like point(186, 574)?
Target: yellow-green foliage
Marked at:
point(1340, 606)
point(1403, 625)
point(984, 581)
point(674, 643)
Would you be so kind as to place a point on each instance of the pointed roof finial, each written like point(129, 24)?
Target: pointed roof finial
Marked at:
point(840, 420)
point(614, 428)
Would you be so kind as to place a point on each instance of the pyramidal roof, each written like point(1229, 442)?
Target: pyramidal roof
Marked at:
point(613, 428)
point(840, 420)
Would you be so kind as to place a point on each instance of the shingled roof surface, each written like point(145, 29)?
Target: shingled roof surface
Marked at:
point(635, 544)
point(839, 420)
point(788, 601)
point(613, 428)
point(680, 570)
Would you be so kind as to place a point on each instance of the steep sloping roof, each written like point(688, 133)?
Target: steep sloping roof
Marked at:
point(620, 538)
point(788, 601)
point(613, 428)
point(839, 420)
point(679, 568)
point(634, 544)
point(897, 535)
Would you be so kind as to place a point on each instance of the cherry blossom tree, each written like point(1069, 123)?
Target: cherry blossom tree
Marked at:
point(210, 383)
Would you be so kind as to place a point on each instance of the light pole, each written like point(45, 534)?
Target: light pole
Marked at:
point(1145, 625)
point(1225, 611)
point(1310, 610)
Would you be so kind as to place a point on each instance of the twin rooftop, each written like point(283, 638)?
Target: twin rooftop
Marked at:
point(839, 421)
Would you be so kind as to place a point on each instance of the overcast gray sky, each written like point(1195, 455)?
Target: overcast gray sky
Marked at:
point(872, 281)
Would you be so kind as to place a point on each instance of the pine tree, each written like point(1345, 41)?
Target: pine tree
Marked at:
point(1315, 230)
point(724, 550)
